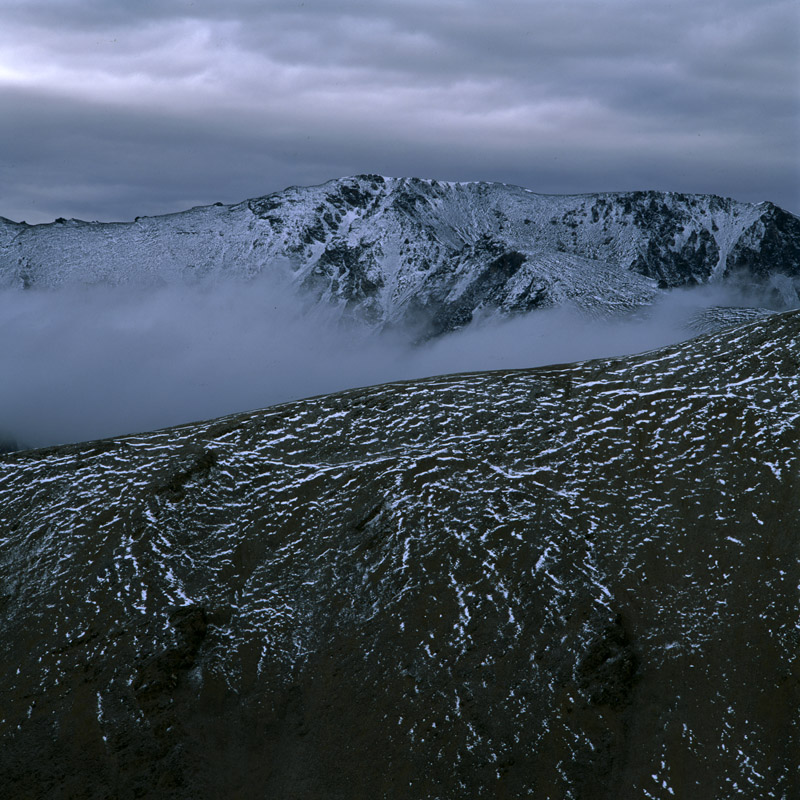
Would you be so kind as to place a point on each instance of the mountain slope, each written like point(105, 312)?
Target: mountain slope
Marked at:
point(577, 581)
point(426, 254)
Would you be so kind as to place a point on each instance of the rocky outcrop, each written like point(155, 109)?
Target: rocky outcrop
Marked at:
point(770, 250)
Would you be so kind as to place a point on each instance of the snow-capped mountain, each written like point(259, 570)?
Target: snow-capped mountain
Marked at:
point(576, 581)
point(425, 254)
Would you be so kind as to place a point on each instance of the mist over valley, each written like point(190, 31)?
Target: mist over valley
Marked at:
point(124, 327)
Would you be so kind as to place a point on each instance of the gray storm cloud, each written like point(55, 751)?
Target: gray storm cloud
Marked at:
point(117, 109)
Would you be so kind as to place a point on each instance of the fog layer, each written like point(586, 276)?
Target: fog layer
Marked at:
point(89, 363)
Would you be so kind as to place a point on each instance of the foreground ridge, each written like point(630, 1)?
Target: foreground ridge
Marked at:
point(576, 581)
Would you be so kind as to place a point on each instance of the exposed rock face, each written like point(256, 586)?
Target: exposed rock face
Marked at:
point(770, 249)
point(426, 254)
point(578, 581)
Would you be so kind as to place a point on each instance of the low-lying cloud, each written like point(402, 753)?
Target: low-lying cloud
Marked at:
point(88, 363)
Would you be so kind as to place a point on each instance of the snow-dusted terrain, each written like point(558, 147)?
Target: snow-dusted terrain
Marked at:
point(577, 581)
point(425, 255)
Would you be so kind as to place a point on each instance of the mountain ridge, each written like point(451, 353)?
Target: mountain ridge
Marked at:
point(429, 255)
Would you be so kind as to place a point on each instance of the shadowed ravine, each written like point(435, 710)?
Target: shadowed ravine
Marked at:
point(576, 581)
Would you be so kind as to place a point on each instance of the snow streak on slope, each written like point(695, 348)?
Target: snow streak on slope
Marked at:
point(578, 581)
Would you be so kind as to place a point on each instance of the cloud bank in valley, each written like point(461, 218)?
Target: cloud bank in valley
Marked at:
point(87, 363)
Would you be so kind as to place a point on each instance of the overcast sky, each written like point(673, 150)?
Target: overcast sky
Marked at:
point(113, 109)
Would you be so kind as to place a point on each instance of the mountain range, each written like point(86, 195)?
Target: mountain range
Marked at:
point(429, 256)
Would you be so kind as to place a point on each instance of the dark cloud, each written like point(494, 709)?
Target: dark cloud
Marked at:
point(116, 109)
